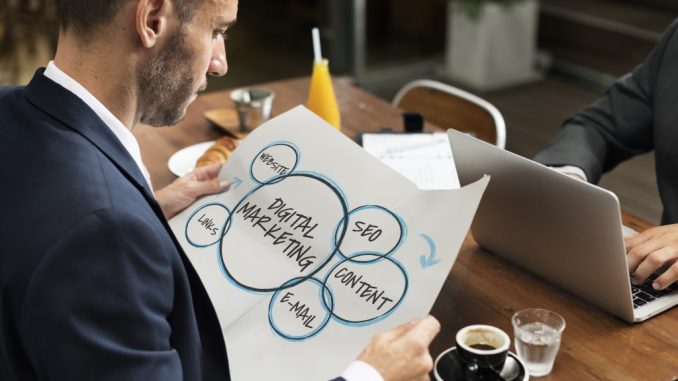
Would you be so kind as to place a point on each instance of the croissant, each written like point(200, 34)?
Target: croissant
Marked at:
point(219, 152)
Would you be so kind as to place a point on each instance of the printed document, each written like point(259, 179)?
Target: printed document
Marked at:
point(425, 159)
point(316, 247)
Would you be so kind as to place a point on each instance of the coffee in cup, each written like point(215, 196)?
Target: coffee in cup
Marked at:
point(483, 349)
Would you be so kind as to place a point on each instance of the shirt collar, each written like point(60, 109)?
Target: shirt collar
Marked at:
point(123, 134)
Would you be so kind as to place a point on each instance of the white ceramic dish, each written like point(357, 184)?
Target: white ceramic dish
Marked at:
point(183, 161)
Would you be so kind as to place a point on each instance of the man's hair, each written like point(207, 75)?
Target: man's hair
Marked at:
point(86, 15)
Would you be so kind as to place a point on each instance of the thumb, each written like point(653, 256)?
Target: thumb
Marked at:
point(426, 328)
point(400, 330)
point(210, 187)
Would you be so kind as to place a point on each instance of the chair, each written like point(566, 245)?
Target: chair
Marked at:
point(450, 107)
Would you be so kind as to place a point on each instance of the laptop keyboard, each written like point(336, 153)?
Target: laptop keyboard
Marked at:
point(644, 293)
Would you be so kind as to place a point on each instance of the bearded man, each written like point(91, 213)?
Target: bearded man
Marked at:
point(93, 284)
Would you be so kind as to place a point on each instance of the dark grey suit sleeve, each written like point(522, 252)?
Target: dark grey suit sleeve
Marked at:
point(617, 126)
point(97, 306)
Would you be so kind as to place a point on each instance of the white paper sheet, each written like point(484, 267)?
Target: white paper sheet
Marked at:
point(425, 159)
point(317, 247)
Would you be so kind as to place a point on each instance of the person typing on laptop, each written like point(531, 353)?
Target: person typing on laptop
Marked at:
point(636, 115)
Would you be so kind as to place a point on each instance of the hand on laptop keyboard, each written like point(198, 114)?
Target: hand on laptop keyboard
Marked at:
point(651, 250)
point(644, 293)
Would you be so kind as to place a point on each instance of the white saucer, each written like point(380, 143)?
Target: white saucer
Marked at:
point(183, 161)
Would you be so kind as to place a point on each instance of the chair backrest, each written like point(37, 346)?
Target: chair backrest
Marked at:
point(450, 107)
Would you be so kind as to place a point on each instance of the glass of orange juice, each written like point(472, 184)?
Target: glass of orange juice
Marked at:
point(321, 98)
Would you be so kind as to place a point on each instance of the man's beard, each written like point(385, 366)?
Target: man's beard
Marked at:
point(166, 84)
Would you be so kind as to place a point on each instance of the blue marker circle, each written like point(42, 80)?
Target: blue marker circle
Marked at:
point(295, 281)
point(275, 178)
point(401, 238)
point(324, 294)
point(371, 262)
point(217, 237)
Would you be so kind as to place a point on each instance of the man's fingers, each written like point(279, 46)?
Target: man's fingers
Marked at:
point(201, 188)
point(640, 238)
point(667, 278)
point(399, 331)
point(207, 172)
point(425, 330)
point(224, 185)
point(402, 353)
point(636, 255)
point(651, 263)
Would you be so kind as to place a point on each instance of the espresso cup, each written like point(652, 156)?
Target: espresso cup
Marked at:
point(482, 349)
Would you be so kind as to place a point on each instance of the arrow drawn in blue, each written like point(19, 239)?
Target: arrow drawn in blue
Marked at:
point(431, 259)
point(235, 183)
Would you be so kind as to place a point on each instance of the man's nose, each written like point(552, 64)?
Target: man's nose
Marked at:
point(218, 65)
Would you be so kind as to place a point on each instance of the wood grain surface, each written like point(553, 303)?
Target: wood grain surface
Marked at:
point(481, 288)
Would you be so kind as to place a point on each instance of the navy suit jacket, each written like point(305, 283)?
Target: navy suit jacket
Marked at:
point(93, 285)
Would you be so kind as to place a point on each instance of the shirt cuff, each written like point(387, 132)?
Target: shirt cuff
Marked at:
point(571, 170)
point(361, 371)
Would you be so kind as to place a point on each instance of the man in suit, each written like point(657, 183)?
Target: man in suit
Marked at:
point(93, 284)
point(636, 115)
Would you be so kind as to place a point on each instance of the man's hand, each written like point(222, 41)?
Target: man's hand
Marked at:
point(401, 354)
point(186, 189)
point(653, 249)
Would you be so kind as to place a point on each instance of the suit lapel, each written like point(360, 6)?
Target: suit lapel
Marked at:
point(74, 113)
point(70, 110)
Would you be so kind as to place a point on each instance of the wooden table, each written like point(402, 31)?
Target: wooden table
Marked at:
point(481, 288)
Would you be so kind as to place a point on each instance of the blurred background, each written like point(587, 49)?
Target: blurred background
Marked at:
point(536, 61)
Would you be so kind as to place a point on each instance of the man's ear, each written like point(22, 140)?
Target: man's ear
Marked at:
point(152, 20)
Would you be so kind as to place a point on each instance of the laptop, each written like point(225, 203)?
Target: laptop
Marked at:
point(565, 231)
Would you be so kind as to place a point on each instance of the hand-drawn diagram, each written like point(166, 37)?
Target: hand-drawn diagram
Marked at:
point(316, 247)
point(366, 285)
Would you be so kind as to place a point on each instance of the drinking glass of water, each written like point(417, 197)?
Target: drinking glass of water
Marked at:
point(537, 338)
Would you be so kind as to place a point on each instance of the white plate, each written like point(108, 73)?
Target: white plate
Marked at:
point(183, 161)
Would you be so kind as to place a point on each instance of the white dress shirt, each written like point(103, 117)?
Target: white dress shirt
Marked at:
point(361, 371)
point(128, 140)
point(571, 170)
